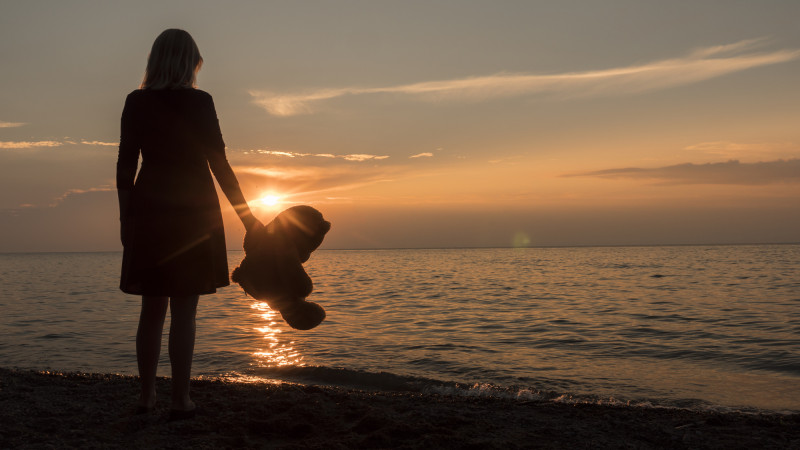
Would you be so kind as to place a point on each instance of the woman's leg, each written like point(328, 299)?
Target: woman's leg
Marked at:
point(148, 345)
point(181, 348)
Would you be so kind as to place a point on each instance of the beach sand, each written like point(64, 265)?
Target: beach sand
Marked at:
point(57, 410)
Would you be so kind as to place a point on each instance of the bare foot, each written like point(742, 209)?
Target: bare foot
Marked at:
point(182, 410)
point(146, 402)
point(183, 405)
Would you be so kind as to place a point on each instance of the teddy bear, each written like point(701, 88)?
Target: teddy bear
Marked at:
point(272, 269)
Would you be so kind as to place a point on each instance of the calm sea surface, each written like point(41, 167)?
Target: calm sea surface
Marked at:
point(698, 327)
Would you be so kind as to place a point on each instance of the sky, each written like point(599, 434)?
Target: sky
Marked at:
point(426, 124)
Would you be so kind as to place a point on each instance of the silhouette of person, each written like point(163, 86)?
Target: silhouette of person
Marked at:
point(171, 223)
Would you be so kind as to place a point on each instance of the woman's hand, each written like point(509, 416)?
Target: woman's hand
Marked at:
point(252, 236)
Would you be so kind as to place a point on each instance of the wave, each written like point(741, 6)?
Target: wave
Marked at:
point(386, 381)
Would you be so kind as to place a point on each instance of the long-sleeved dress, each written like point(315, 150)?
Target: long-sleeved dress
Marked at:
point(172, 233)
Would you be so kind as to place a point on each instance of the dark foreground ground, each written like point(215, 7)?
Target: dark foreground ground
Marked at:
point(58, 410)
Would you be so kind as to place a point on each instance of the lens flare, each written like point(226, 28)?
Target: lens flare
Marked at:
point(270, 200)
point(521, 240)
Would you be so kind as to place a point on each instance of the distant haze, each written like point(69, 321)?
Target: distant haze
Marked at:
point(427, 124)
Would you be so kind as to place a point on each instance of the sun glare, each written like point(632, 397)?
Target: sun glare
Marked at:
point(270, 200)
point(277, 349)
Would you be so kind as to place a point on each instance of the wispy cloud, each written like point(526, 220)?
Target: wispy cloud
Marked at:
point(349, 157)
point(72, 192)
point(56, 201)
point(750, 150)
point(701, 64)
point(101, 143)
point(66, 141)
point(4, 124)
point(422, 155)
point(363, 157)
point(29, 144)
point(307, 182)
point(730, 172)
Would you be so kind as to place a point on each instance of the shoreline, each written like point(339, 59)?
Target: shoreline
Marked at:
point(43, 409)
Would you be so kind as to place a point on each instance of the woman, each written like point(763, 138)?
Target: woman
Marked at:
point(171, 224)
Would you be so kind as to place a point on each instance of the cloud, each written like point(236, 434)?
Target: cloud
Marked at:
point(362, 157)
point(4, 124)
point(106, 144)
point(307, 182)
point(34, 144)
point(699, 65)
point(29, 144)
point(737, 150)
point(65, 141)
point(422, 155)
point(73, 192)
point(730, 172)
point(350, 157)
point(61, 198)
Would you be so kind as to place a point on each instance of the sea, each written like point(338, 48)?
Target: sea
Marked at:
point(698, 327)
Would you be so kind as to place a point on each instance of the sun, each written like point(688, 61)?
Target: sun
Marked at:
point(270, 200)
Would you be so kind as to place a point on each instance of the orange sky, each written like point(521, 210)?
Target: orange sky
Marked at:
point(428, 125)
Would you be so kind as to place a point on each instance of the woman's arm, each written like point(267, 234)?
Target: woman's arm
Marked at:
point(222, 170)
point(127, 162)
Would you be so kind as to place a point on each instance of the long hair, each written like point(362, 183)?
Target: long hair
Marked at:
point(173, 61)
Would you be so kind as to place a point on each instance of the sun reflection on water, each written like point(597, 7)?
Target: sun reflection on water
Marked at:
point(277, 352)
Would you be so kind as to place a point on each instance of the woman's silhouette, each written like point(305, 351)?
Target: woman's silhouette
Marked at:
point(171, 224)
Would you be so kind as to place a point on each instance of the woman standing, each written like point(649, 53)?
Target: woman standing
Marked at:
point(171, 224)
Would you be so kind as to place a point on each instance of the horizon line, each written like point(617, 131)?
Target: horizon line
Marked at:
point(728, 244)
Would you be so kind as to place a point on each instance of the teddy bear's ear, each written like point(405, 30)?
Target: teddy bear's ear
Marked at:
point(302, 218)
point(304, 226)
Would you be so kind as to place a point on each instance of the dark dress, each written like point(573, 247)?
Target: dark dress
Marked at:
point(174, 242)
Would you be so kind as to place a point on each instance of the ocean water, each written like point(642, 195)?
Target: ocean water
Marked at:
point(695, 327)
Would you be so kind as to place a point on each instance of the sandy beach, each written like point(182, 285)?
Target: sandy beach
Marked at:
point(57, 410)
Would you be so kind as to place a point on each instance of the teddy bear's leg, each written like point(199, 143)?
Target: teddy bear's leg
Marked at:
point(303, 315)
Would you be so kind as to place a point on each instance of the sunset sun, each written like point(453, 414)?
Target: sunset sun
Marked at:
point(270, 200)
